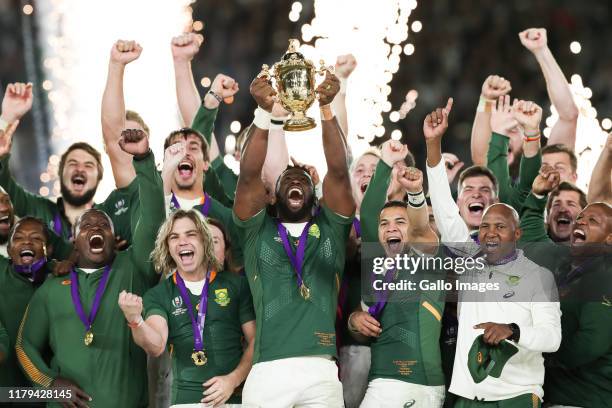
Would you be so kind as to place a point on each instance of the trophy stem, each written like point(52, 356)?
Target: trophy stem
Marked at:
point(298, 122)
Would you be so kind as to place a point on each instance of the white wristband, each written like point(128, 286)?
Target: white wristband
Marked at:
point(343, 84)
point(416, 200)
point(262, 119)
point(3, 125)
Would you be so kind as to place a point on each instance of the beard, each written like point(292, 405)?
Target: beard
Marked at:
point(74, 200)
point(288, 215)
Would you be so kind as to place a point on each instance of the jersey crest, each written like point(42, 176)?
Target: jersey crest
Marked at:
point(222, 297)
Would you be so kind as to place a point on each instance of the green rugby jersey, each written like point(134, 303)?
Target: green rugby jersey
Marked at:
point(288, 325)
point(120, 205)
point(408, 348)
point(230, 305)
point(112, 369)
point(15, 293)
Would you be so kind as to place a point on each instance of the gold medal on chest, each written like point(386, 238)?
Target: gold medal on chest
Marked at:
point(89, 338)
point(199, 357)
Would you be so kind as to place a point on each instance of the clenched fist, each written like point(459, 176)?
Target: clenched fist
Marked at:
point(345, 64)
point(410, 178)
point(123, 52)
point(186, 46)
point(224, 87)
point(263, 93)
point(534, 39)
point(546, 180)
point(393, 151)
point(495, 86)
point(436, 122)
point(528, 114)
point(134, 142)
point(328, 89)
point(131, 306)
point(17, 101)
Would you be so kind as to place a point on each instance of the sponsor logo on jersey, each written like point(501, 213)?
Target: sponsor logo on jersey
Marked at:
point(314, 231)
point(409, 404)
point(509, 294)
point(513, 280)
point(66, 282)
point(120, 207)
point(222, 297)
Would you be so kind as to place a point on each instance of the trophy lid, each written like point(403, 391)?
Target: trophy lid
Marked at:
point(292, 50)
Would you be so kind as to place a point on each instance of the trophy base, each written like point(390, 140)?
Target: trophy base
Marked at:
point(299, 124)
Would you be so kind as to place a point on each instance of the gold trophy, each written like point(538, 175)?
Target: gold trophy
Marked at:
point(295, 84)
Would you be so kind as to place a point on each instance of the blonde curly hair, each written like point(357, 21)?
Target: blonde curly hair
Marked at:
point(161, 258)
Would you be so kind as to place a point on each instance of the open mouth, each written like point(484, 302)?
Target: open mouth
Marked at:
point(295, 196)
point(564, 221)
point(27, 256)
point(4, 222)
point(78, 181)
point(395, 244)
point(186, 255)
point(185, 169)
point(96, 243)
point(492, 246)
point(476, 208)
point(579, 236)
point(363, 187)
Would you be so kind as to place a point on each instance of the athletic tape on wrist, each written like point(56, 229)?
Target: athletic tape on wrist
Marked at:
point(262, 119)
point(416, 200)
point(484, 104)
point(326, 112)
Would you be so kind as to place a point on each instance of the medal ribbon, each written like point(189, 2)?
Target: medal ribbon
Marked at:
point(357, 226)
point(296, 259)
point(196, 325)
point(381, 296)
point(76, 299)
point(506, 259)
point(58, 226)
point(205, 209)
point(31, 271)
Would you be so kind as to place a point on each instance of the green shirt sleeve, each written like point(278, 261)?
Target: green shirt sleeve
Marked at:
point(592, 340)
point(497, 162)
point(227, 177)
point(33, 338)
point(153, 302)
point(24, 202)
point(152, 213)
point(373, 202)
point(214, 187)
point(121, 205)
point(62, 249)
point(247, 312)
point(204, 122)
point(530, 167)
point(532, 220)
point(251, 226)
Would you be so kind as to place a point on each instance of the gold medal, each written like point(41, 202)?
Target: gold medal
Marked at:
point(199, 357)
point(89, 337)
point(304, 291)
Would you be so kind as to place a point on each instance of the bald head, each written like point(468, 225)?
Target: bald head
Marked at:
point(504, 210)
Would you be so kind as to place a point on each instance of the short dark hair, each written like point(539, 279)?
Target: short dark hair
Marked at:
point(229, 261)
point(135, 117)
point(477, 171)
point(395, 203)
point(87, 148)
point(29, 218)
point(561, 148)
point(184, 132)
point(289, 168)
point(566, 186)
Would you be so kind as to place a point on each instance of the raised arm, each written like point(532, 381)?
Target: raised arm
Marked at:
point(337, 183)
point(600, 186)
point(450, 224)
point(222, 87)
point(150, 334)
point(345, 64)
point(559, 93)
point(250, 191)
point(113, 110)
point(532, 214)
point(152, 207)
point(277, 156)
point(184, 48)
point(411, 180)
point(492, 88)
